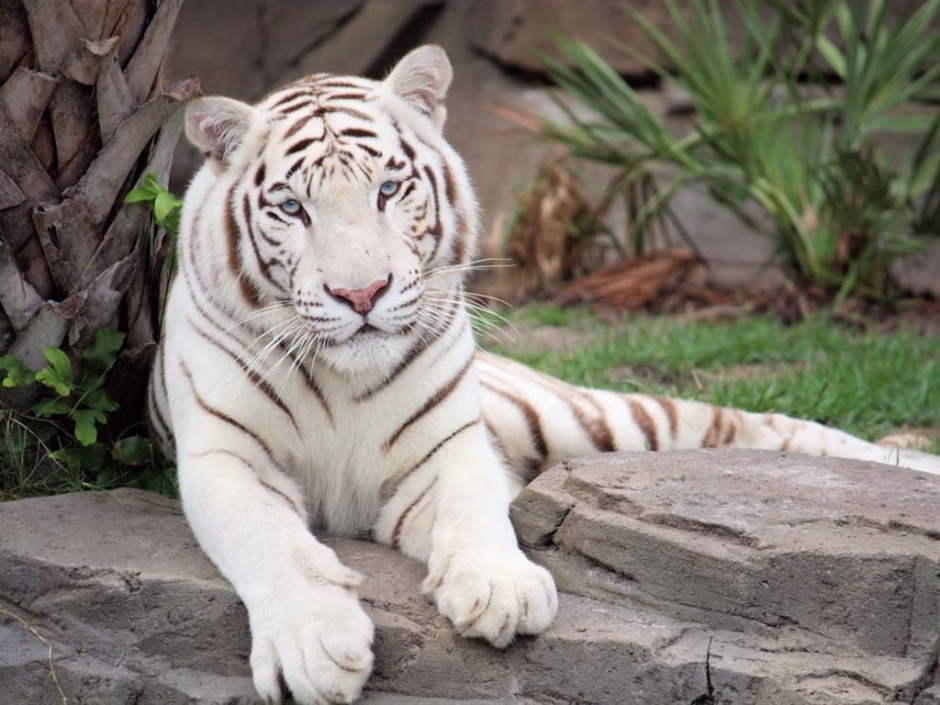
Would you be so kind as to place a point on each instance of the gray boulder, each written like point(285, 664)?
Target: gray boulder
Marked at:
point(689, 578)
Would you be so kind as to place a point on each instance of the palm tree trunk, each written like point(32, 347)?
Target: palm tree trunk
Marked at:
point(83, 117)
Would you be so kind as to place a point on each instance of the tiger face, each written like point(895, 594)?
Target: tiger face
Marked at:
point(346, 208)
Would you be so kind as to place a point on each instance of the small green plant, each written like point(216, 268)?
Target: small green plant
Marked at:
point(839, 206)
point(166, 208)
point(166, 205)
point(62, 442)
point(65, 438)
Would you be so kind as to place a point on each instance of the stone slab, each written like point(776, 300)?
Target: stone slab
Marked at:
point(133, 612)
point(931, 696)
point(846, 549)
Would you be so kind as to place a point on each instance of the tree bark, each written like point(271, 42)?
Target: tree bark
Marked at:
point(83, 117)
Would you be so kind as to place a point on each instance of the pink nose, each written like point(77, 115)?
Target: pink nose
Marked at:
point(360, 300)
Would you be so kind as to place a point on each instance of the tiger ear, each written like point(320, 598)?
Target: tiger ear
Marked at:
point(217, 126)
point(421, 79)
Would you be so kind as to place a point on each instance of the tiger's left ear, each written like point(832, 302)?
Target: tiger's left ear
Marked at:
point(421, 79)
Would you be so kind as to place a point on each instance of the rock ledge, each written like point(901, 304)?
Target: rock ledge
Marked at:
point(796, 580)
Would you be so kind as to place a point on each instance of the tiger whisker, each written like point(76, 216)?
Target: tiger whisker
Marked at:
point(470, 304)
point(269, 309)
point(479, 308)
point(289, 329)
point(295, 344)
point(433, 316)
point(484, 298)
point(275, 335)
point(475, 265)
point(310, 339)
point(432, 325)
point(501, 331)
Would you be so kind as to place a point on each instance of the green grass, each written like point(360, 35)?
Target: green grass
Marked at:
point(863, 382)
point(31, 467)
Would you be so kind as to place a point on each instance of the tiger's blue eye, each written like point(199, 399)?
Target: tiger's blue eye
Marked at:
point(389, 188)
point(291, 207)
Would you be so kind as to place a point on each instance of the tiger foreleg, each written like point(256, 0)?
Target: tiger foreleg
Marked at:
point(306, 621)
point(459, 523)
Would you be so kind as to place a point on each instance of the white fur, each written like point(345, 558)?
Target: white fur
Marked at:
point(282, 409)
point(250, 497)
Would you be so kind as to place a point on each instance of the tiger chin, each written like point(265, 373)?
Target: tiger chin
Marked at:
point(318, 369)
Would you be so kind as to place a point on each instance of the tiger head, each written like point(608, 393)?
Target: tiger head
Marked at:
point(344, 205)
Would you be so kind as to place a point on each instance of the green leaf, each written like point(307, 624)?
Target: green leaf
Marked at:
point(164, 205)
point(86, 432)
point(832, 54)
point(86, 429)
point(17, 374)
point(917, 123)
point(139, 195)
point(51, 407)
point(133, 450)
point(148, 190)
point(99, 400)
point(82, 459)
point(59, 361)
point(50, 378)
point(100, 355)
point(8, 362)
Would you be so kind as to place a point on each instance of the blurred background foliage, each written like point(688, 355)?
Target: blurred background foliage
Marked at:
point(785, 134)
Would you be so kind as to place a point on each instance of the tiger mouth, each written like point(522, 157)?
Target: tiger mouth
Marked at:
point(369, 332)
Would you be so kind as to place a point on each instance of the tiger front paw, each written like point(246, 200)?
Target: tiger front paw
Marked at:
point(317, 637)
point(493, 595)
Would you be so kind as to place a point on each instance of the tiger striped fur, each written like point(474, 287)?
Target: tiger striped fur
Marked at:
point(318, 369)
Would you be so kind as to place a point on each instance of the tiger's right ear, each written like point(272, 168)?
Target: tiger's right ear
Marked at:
point(218, 126)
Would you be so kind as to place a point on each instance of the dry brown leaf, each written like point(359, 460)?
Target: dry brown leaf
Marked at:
point(145, 63)
point(115, 101)
point(56, 32)
point(83, 64)
point(20, 300)
point(633, 283)
point(25, 96)
point(74, 126)
point(105, 178)
point(10, 194)
point(541, 243)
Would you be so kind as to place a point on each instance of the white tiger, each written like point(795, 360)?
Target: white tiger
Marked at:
point(318, 368)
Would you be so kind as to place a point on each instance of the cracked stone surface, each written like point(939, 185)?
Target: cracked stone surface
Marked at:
point(798, 581)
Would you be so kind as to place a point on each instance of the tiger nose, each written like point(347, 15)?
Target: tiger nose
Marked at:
point(360, 300)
